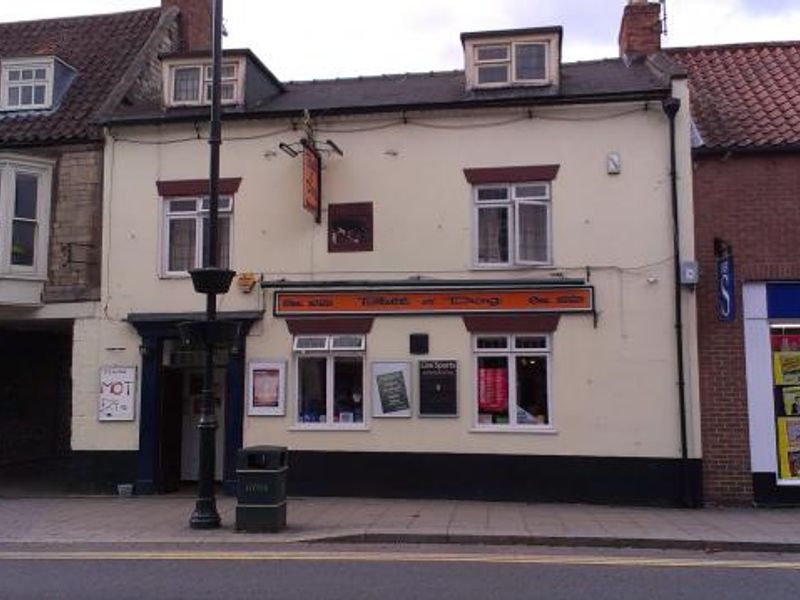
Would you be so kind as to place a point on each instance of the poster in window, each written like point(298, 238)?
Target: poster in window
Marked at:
point(391, 389)
point(438, 388)
point(266, 388)
point(789, 447)
point(117, 394)
point(786, 367)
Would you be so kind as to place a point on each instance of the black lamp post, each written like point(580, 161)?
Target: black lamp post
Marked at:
point(210, 280)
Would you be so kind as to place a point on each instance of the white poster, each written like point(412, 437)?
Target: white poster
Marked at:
point(117, 393)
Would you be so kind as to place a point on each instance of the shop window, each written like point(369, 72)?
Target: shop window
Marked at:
point(785, 341)
point(185, 236)
point(512, 381)
point(330, 380)
point(350, 227)
point(512, 224)
point(24, 216)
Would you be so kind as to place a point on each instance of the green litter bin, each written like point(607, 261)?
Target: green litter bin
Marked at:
point(261, 489)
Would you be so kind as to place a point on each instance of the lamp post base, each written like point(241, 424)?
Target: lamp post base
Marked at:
point(205, 515)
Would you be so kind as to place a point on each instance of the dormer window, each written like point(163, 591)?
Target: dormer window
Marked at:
point(27, 84)
point(512, 58)
point(190, 83)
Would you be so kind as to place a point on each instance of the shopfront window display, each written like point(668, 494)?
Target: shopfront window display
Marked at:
point(330, 380)
point(785, 342)
point(512, 381)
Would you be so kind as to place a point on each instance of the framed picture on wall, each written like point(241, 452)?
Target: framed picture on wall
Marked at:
point(391, 389)
point(266, 388)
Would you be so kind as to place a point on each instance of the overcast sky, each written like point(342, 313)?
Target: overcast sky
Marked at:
point(322, 38)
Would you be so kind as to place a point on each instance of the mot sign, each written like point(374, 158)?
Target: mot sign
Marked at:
point(726, 289)
point(117, 393)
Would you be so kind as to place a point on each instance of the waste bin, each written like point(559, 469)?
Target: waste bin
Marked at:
point(261, 490)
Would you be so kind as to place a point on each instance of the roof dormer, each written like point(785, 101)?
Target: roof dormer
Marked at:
point(512, 58)
point(33, 83)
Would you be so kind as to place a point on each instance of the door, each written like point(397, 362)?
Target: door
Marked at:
point(171, 417)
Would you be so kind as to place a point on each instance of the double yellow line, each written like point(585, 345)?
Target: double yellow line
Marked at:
point(403, 557)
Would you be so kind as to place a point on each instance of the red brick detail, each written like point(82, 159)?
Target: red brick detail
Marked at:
point(329, 326)
point(749, 201)
point(511, 174)
point(196, 187)
point(511, 323)
point(195, 22)
point(640, 30)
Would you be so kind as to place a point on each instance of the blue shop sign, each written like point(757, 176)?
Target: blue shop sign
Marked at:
point(726, 289)
point(783, 300)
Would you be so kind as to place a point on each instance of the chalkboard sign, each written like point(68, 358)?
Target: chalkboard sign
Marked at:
point(438, 388)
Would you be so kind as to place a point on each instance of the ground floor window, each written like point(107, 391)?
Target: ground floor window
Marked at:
point(785, 343)
point(330, 379)
point(512, 380)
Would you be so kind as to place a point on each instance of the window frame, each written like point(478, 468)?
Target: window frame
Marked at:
point(10, 166)
point(511, 62)
point(330, 356)
point(197, 215)
point(512, 204)
point(510, 352)
point(204, 80)
point(20, 64)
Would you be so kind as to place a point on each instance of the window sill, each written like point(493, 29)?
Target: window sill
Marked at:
point(23, 276)
point(528, 429)
point(311, 427)
point(511, 267)
point(168, 276)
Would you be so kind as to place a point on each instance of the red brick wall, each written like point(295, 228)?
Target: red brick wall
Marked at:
point(195, 22)
point(752, 202)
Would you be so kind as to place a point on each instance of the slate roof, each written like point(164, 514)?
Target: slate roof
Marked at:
point(98, 47)
point(744, 96)
point(601, 78)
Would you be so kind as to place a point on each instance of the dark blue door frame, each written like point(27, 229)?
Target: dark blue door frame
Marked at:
point(154, 329)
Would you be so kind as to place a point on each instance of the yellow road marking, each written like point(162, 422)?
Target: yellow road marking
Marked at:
point(371, 557)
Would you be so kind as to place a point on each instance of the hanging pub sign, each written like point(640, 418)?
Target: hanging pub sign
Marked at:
point(438, 388)
point(726, 296)
point(312, 179)
point(442, 301)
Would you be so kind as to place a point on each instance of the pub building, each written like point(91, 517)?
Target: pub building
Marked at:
point(452, 284)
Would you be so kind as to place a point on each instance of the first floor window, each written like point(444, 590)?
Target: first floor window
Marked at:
point(512, 380)
point(27, 85)
point(512, 224)
point(330, 379)
point(24, 216)
point(186, 233)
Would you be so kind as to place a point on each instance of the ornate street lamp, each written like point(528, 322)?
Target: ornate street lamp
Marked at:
point(210, 280)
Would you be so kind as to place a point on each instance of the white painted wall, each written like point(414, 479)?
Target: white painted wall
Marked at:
point(614, 387)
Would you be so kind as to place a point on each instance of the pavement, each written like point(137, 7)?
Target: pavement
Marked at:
point(164, 519)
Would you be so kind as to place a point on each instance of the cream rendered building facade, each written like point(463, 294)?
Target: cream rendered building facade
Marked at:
point(612, 428)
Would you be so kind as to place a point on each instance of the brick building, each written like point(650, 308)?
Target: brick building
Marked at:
point(58, 77)
point(745, 102)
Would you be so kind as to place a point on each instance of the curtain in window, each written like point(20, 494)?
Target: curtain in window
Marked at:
point(532, 232)
point(493, 234)
point(181, 244)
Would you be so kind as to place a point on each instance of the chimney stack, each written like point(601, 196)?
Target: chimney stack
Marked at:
point(640, 30)
point(194, 23)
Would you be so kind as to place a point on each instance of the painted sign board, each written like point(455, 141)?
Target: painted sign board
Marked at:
point(438, 388)
point(312, 191)
point(726, 291)
point(451, 301)
point(117, 393)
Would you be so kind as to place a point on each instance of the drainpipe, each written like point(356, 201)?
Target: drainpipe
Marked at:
point(671, 106)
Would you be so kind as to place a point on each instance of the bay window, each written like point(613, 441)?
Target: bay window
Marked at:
point(24, 216)
point(185, 235)
point(512, 381)
point(330, 380)
point(512, 224)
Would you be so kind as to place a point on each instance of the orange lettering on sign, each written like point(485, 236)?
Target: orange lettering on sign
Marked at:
point(564, 299)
